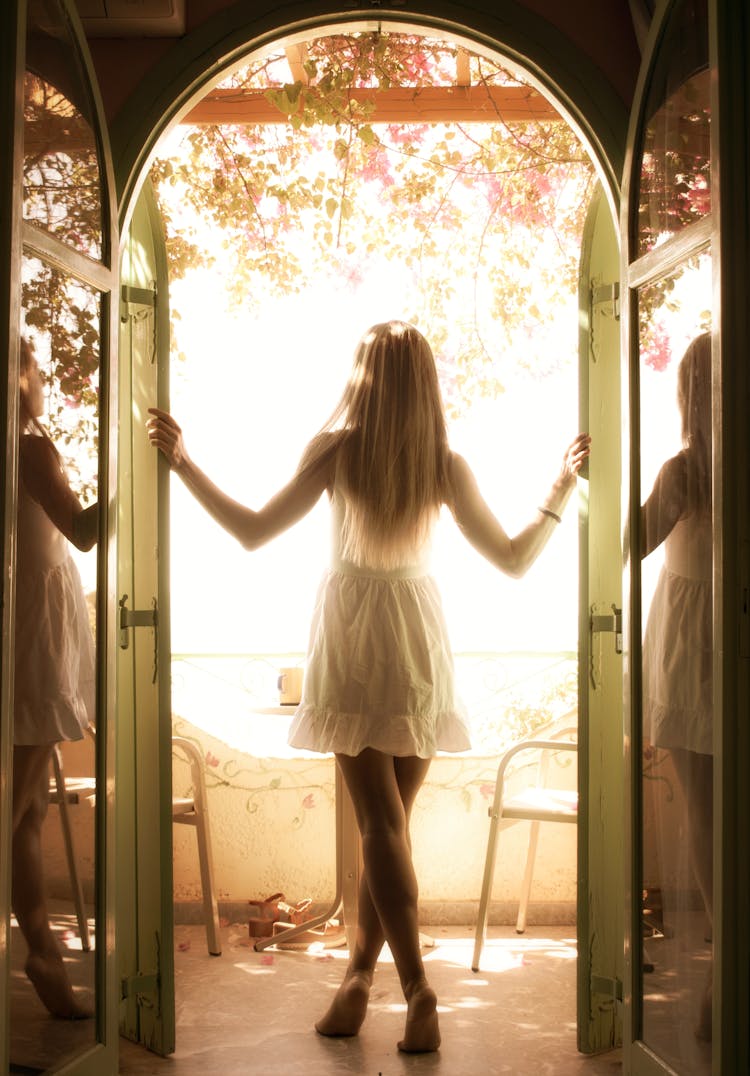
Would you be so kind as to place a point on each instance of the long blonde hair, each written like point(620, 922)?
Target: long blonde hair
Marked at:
point(389, 436)
point(694, 400)
point(26, 359)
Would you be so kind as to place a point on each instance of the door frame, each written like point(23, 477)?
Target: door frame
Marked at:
point(197, 61)
point(16, 238)
point(584, 99)
point(12, 55)
point(729, 40)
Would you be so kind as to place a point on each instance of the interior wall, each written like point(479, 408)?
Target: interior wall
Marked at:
point(603, 32)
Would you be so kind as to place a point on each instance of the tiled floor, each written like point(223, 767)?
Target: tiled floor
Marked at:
point(251, 1014)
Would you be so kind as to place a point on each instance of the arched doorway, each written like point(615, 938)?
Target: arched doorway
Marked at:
point(599, 970)
point(534, 42)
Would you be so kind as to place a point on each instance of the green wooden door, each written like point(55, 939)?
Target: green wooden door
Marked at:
point(144, 898)
point(600, 831)
point(59, 249)
point(685, 315)
point(59, 241)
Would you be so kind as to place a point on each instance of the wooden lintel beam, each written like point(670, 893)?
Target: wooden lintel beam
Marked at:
point(433, 104)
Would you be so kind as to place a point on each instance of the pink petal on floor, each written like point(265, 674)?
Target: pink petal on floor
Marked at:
point(267, 959)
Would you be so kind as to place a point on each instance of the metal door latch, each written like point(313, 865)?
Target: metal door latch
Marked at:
point(609, 622)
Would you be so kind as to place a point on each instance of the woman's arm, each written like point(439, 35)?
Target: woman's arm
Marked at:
point(44, 478)
point(250, 528)
point(665, 504)
point(514, 556)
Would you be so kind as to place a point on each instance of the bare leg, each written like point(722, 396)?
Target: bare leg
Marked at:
point(348, 1009)
point(371, 778)
point(44, 964)
point(695, 774)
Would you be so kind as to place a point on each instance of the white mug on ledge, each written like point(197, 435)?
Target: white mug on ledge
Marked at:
point(290, 686)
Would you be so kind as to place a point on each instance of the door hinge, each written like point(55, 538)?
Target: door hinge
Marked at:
point(608, 297)
point(138, 296)
point(608, 622)
point(135, 618)
point(139, 304)
point(611, 988)
point(140, 986)
point(140, 618)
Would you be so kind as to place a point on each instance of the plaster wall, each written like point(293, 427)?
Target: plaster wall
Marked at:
point(273, 829)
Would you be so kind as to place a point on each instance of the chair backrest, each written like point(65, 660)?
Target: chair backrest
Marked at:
point(194, 758)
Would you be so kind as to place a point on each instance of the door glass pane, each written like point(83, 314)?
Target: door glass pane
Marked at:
point(53, 937)
point(675, 181)
point(677, 711)
point(62, 178)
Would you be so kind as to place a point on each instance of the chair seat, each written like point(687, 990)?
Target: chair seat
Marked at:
point(536, 803)
point(543, 805)
point(76, 790)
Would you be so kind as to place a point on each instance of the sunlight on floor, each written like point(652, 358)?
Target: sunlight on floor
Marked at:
point(252, 1014)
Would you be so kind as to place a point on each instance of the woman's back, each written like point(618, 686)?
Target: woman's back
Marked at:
point(411, 563)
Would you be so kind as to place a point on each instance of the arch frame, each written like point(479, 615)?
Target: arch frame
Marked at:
point(524, 40)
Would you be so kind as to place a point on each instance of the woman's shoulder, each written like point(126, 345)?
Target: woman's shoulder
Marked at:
point(674, 472)
point(459, 476)
point(37, 453)
point(320, 456)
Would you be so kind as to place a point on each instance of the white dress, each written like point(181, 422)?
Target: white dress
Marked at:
point(54, 650)
point(678, 643)
point(379, 669)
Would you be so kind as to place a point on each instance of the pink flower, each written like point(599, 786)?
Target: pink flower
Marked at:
point(308, 801)
point(488, 791)
point(211, 760)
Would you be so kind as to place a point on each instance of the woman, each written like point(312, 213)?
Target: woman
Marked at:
point(678, 640)
point(378, 688)
point(54, 672)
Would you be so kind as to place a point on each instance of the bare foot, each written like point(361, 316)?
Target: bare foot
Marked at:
point(49, 979)
point(348, 1008)
point(421, 1034)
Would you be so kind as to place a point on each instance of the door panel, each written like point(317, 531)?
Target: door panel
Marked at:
point(145, 925)
point(58, 638)
point(674, 390)
point(600, 847)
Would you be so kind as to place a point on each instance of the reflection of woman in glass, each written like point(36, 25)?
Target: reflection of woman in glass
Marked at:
point(54, 672)
point(678, 646)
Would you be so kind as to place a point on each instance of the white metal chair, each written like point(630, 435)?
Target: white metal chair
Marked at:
point(193, 811)
point(187, 810)
point(65, 792)
point(536, 803)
